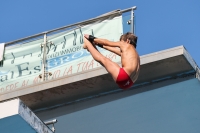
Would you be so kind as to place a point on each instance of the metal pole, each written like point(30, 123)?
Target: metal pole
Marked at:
point(129, 9)
point(134, 30)
point(50, 122)
point(132, 21)
point(44, 58)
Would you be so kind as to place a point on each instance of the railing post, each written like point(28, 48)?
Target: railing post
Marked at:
point(132, 30)
point(44, 58)
point(197, 73)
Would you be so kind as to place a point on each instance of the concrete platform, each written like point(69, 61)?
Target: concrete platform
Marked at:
point(154, 66)
point(16, 117)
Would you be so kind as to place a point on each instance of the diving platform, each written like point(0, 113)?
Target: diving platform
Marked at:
point(156, 66)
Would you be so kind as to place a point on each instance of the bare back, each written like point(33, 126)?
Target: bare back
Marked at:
point(129, 57)
point(130, 60)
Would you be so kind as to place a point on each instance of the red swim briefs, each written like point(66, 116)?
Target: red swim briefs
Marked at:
point(123, 80)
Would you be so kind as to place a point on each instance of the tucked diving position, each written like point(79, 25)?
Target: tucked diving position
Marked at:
point(126, 75)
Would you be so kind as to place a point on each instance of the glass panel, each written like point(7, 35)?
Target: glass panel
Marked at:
point(21, 66)
point(126, 25)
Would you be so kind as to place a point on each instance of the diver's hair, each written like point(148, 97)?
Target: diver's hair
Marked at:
point(131, 37)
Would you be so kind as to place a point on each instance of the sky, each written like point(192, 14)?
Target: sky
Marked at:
point(160, 24)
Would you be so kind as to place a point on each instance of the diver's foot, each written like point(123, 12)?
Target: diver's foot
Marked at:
point(84, 46)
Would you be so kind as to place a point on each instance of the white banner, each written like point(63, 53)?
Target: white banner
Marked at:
point(65, 55)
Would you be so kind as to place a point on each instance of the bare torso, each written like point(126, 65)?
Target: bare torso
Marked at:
point(129, 57)
point(130, 60)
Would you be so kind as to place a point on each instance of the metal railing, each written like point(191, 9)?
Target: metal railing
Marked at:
point(82, 23)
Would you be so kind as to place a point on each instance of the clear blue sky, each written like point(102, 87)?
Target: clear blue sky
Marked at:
point(160, 24)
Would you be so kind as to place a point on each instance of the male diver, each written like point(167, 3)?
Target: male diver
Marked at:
point(126, 75)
